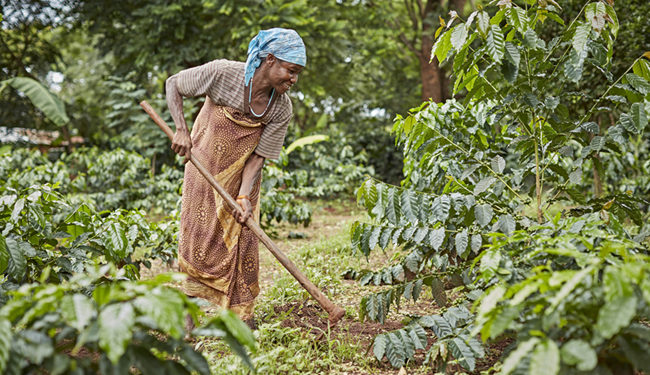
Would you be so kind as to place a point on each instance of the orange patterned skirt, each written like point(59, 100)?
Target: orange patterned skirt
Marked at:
point(219, 255)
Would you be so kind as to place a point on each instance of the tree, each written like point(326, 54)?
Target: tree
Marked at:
point(26, 50)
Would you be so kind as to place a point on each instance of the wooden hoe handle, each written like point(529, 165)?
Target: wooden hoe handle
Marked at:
point(335, 312)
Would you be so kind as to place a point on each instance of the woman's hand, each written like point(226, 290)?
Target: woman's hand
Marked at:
point(246, 207)
point(182, 145)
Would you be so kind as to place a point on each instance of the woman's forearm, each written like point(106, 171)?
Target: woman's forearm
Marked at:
point(251, 174)
point(175, 104)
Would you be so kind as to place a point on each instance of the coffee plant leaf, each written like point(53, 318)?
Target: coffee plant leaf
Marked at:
point(5, 341)
point(495, 43)
point(476, 243)
point(462, 241)
point(483, 185)
point(4, 254)
point(638, 83)
point(616, 314)
point(579, 353)
point(545, 359)
point(463, 353)
point(379, 346)
point(638, 116)
point(116, 322)
point(165, 307)
point(395, 351)
point(517, 356)
point(483, 214)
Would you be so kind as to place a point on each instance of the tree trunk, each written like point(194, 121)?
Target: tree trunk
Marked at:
point(430, 73)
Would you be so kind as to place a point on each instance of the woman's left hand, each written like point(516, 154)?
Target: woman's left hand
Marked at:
point(247, 209)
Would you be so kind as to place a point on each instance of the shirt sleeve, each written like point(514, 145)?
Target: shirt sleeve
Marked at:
point(200, 80)
point(273, 135)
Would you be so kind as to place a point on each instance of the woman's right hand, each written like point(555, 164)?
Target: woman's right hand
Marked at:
point(182, 145)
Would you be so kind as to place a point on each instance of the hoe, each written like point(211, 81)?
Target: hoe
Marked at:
point(335, 312)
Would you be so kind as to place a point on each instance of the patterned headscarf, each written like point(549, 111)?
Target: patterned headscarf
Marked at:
point(285, 44)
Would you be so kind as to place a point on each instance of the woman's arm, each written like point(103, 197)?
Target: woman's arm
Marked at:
point(181, 144)
point(250, 175)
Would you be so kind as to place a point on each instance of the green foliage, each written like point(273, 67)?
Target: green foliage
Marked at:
point(317, 168)
point(485, 174)
point(39, 229)
point(453, 340)
point(96, 323)
point(592, 283)
point(108, 180)
point(41, 97)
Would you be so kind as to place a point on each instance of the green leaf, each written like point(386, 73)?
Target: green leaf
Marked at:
point(483, 185)
point(33, 345)
point(498, 164)
point(495, 43)
point(41, 97)
point(116, 323)
point(545, 359)
point(441, 327)
point(165, 307)
point(640, 84)
point(4, 255)
point(579, 353)
point(84, 311)
point(436, 238)
point(507, 224)
point(458, 36)
point(518, 18)
point(638, 116)
point(379, 346)
point(5, 342)
point(408, 205)
point(461, 242)
point(395, 351)
point(568, 287)
point(419, 336)
point(477, 242)
point(483, 214)
point(512, 54)
point(625, 120)
point(615, 315)
point(440, 208)
point(238, 329)
point(195, 360)
point(438, 291)
point(463, 353)
point(304, 141)
point(115, 239)
point(18, 261)
point(18, 207)
point(642, 68)
point(442, 47)
point(580, 38)
point(517, 355)
point(483, 23)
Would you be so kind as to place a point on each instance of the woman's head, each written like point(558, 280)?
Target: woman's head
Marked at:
point(282, 48)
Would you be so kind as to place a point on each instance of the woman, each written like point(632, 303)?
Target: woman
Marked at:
point(242, 123)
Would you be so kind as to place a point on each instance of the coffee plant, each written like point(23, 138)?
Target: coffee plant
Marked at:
point(98, 323)
point(39, 229)
point(525, 192)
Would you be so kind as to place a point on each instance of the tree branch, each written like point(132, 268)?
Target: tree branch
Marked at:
point(412, 15)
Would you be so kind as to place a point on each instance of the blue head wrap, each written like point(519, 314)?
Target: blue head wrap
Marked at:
point(285, 44)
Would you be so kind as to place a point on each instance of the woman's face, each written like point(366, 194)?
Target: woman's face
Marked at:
point(282, 74)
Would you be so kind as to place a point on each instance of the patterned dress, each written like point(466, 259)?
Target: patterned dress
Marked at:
point(220, 255)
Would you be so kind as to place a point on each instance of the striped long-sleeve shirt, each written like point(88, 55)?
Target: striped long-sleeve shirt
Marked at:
point(223, 82)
